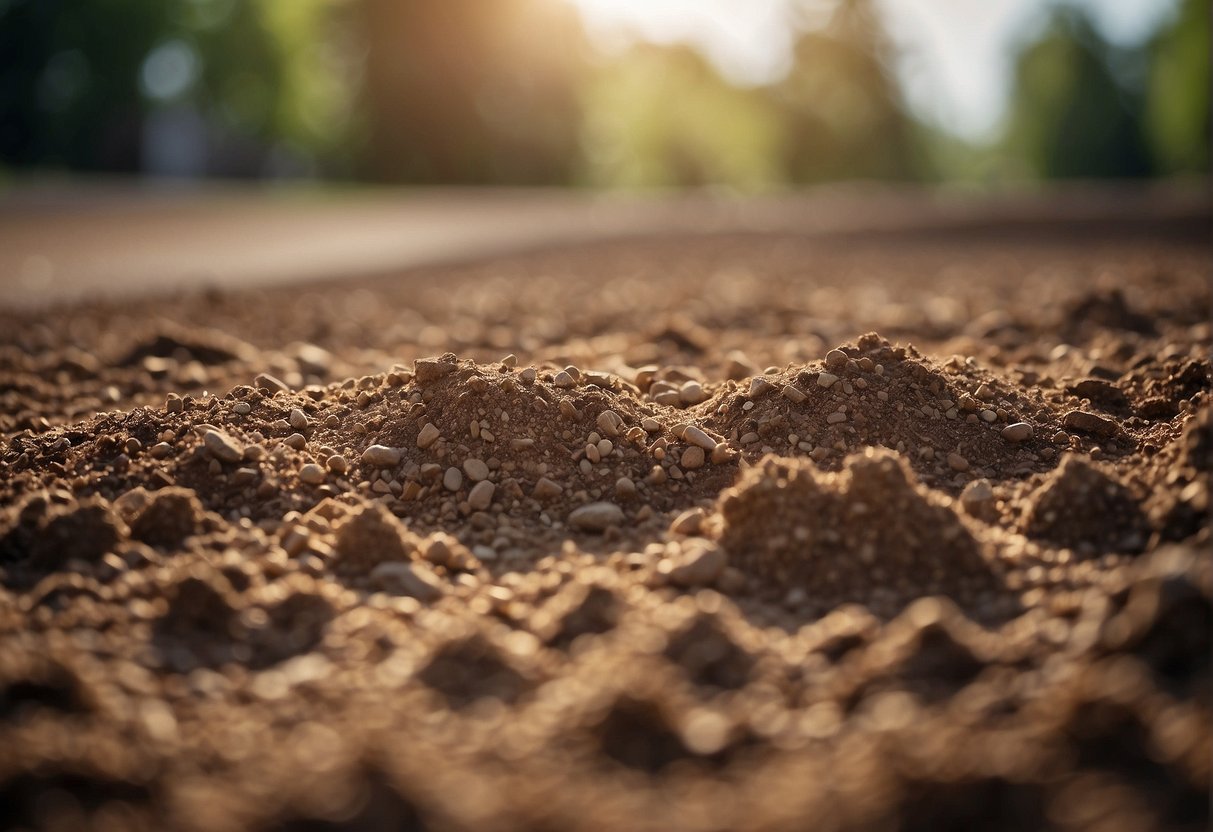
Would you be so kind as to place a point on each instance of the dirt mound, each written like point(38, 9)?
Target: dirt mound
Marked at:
point(1083, 507)
point(870, 534)
point(953, 424)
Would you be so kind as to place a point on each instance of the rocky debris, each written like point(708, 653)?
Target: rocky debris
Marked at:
point(1085, 507)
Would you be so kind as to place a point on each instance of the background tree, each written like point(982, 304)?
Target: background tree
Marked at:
point(1070, 114)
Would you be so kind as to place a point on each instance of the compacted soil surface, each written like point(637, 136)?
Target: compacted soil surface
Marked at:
point(735, 531)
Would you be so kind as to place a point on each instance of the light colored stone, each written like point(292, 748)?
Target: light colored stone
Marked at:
point(759, 385)
point(298, 419)
point(312, 474)
point(428, 435)
point(836, 359)
point(957, 462)
point(222, 447)
point(692, 458)
point(475, 469)
point(700, 563)
point(977, 494)
point(826, 380)
point(564, 380)
point(690, 522)
point(381, 456)
point(609, 423)
point(835, 418)
point(698, 437)
point(596, 517)
point(1017, 432)
point(793, 394)
point(452, 479)
point(546, 489)
point(406, 578)
point(337, 464)
point(692, 393)
point(481, 495)
point(989, 415)
point(270, 384)
point(625, 489)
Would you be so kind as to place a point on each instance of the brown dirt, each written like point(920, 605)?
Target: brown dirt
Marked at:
point(821, 583)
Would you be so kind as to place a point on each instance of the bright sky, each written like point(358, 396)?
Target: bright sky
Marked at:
point(955, 55)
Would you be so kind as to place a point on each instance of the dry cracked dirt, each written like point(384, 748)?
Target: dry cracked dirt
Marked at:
point(720, 532)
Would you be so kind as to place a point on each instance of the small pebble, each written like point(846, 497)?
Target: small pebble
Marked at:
point(957, 462)
point(701, 563)
point(298, 419)
point(481, 495)
point(452, 479)
point(836, 359)
point(311, 473)
point(222, 447)
point(1086, 422)
point(546, 489)
point(759, 385)
point(428, 435)
point(692, 458)
point(792, 394)
point(699, 438)
point(826, 380)
point(609, 423)
point(596, 517)
point(337, 464)
point(270, 384)
point(475, 469)
point(381, 456)
point(1017, 432)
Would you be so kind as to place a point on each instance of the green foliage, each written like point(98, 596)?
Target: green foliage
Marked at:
point(664, 117)
point(1177, 111)
point(74, 76)
point(1070, 116)
point(508, 92)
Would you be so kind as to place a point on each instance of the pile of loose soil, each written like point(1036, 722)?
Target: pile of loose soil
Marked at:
point(650, 534)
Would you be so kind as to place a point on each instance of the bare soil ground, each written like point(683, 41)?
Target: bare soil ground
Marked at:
point(727, 531)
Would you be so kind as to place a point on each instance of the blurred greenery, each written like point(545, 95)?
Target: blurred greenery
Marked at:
point(511, 92)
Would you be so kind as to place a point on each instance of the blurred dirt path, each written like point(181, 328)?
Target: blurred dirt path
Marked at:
point(70, 242)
